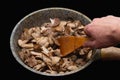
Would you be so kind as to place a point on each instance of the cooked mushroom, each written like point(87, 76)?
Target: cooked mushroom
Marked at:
point(42, 40)
point(55, 21)
point(36, 32)
point(40, 47)
point(81, 52)
point(55, 60)
point(61, 26)
point(44, 57)
point(31, 61)
point(77, 23)
point(44, 50)
point(72, 68)
point(71, 25)
point(39, 66)
point(57, 52)
point(24, 44)
point(73, 57)
point(24, 54)
point(25, 35)
point(51, 72)
point(89, 55)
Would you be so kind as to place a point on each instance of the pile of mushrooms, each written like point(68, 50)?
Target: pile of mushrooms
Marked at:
point(39, 48)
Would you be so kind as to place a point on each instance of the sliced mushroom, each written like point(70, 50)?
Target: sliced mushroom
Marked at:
point(73, 67)
point(71, 25)
point(21, 42)
point(55, 60)
point(80, 61)
point(61, 72)
point(55, 41)
point(51, 72)
point(46, 31)
point(57, 52)
point(67, 62)
point(44, 57)
point(86, 50)
point(35, 35)
point(42, 40)
point(89, 55)
point(55, 21)
point(73, 57)
point(39, 66)
point(81, 52)
point(24, 44)
point(77, 23)
point(68, 30)
point(31, 61)
point(24, 54)
point(36, 32)
point(60, 27)
point(25, 35)
point(36, 47)
point(44, 50)
point(50, 40)
point(81, 27)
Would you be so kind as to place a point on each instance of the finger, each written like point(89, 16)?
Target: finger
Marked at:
point(87, 30)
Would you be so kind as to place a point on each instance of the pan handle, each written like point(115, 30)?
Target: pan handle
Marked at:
point(110, 53)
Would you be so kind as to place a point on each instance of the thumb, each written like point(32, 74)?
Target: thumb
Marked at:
point(89, 43)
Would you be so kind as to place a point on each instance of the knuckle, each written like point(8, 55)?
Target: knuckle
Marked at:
point(96, 19)
point(110, 15)
point(88, 28)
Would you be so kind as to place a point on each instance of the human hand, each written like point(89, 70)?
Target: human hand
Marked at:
point(103, 32)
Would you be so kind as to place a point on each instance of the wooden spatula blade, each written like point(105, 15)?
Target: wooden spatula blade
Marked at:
point(79, 41)
point(69, 43)
point(66, 44)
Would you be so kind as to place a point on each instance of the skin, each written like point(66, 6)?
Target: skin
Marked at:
point(103, 32)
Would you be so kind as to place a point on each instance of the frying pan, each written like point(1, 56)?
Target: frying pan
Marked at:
point(38, 17)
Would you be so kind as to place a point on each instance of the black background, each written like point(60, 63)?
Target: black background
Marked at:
point(14, 10)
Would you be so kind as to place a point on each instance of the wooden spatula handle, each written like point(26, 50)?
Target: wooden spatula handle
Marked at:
point(110, 53)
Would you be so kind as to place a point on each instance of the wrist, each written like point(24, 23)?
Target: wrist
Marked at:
point(116, 33)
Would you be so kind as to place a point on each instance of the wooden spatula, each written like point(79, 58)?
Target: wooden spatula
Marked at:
point(70, 43)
